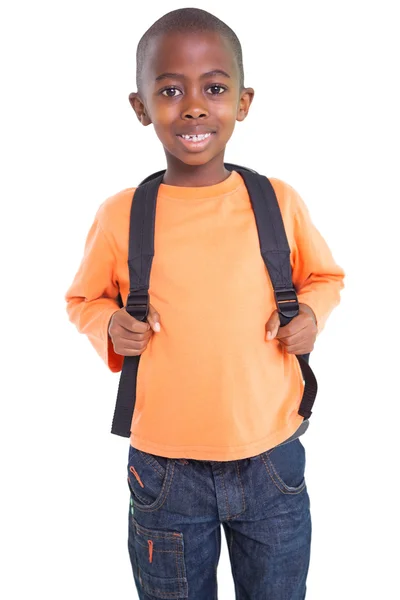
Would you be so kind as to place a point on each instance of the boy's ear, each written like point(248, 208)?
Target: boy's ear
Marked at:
point(246, 98)
point(139, 108)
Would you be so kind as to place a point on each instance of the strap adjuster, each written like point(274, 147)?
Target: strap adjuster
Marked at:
point(137, 304)
point(287, 303)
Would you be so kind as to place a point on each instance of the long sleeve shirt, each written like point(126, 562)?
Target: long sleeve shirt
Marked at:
point(209, 386)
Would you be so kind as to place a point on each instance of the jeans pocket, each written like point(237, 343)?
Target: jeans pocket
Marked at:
point(285, 465)
point(161, 570)
point(149, 478)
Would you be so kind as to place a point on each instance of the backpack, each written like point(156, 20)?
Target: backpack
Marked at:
point(274, 249)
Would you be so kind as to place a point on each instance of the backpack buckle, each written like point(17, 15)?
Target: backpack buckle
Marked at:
point(137, 304)
point(287, 303)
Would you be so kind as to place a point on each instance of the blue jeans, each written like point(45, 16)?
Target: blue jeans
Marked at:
point(177, 507)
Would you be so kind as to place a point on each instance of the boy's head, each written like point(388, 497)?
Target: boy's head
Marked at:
point(189, 75)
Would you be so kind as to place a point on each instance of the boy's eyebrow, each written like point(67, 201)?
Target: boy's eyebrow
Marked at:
point(181, 76)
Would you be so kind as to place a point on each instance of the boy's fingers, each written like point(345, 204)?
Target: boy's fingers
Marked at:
point(153, 318)
point(294, 330)
point(132, 336)
point(130, 323)
point(273, 325)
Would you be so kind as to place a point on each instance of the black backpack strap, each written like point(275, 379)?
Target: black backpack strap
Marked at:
point(276, 255)
point(275, 251)
point(140, 258)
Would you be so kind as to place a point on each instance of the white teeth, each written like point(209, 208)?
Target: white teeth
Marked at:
point(196, 138)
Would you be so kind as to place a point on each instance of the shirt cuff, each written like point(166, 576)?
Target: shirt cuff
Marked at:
point(113, 360)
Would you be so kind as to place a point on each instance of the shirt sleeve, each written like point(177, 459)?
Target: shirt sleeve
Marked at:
point(92, 298)
point(317, 278)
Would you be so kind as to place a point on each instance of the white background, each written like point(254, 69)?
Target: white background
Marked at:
point(324, 119)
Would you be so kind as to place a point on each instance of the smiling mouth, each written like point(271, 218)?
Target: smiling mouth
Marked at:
point(197, 142)
point(195, 138)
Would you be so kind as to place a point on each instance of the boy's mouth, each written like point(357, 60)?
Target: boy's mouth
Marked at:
point(195, 137)
point(195, 141)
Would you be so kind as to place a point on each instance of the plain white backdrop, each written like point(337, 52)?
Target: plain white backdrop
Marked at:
point(325, 119)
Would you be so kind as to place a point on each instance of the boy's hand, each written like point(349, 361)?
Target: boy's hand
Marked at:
point(298, 337)
point(130, 336)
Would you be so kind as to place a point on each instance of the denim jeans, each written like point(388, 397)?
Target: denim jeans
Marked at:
point(177, 507)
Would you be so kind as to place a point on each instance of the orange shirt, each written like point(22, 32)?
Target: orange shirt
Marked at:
point(209, 385)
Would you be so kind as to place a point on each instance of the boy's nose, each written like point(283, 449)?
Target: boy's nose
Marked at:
point(194, 114)
point(194, 111)
point(194, 105)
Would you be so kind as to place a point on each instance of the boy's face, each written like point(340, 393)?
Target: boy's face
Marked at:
point(183, 95)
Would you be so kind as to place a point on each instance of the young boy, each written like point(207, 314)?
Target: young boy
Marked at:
point(215, 430)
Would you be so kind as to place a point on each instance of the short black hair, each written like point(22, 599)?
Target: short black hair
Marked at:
point(185, 20)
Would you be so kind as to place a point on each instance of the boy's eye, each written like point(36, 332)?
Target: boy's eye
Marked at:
point(217, 89)
point(171, 89)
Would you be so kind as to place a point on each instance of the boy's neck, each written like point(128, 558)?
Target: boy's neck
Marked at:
point(182, 175)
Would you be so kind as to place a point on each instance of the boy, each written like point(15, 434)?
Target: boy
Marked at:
point(215, 431)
